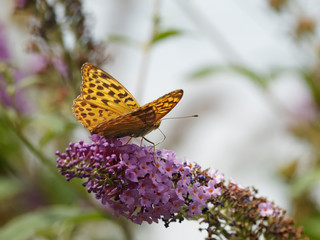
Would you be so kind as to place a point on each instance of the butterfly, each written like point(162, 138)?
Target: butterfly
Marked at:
point(107, 108)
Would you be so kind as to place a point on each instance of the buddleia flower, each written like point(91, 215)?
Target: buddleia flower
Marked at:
point(147, 185)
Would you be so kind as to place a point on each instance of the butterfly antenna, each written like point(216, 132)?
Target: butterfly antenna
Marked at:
point(191, 116)
point(164, 136)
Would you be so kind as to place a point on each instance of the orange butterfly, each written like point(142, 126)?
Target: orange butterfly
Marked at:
point(107, 108)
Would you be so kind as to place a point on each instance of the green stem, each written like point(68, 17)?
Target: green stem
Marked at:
point(144, 66)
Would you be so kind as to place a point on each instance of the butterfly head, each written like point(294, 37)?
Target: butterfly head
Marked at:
point(156, 125)
point(147, 129)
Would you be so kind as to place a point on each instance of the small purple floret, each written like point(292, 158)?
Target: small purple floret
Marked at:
point(266, 209)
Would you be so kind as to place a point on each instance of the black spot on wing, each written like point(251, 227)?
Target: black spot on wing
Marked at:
point(105, 101)
point(115, 86)
point(111, 93)
point(121, 95)
point(128, 99)
point(103, 75)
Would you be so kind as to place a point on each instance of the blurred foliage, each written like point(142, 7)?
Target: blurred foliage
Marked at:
point(36, 119)
point(260, 79)
point(56, 222)
point(165, 34)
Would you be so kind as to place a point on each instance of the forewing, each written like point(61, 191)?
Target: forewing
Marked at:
point(102, 90)
point(163, 105)
point(91, 115)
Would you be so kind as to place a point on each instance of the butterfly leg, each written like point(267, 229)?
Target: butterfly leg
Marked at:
point(128, 140)
point(154, 146)
point(143, 138)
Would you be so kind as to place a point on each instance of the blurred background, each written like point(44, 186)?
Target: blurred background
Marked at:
point(251, 70)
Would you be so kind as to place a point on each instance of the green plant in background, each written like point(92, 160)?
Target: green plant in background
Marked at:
point(35, 118)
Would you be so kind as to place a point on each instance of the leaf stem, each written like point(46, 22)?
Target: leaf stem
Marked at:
point(144, 66)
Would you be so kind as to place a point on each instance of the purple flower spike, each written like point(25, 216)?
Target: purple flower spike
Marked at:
point(147, 185)
point(137, 182)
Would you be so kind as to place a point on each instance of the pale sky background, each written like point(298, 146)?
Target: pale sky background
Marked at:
point(240, 131)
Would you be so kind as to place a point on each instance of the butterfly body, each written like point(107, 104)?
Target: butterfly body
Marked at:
point(120, 127)
point(107, 108)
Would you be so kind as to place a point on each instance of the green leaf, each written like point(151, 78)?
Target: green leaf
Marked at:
point(44, 222)
point(8, 188)
point(257, 78)
point(122, 39)
point(162, 35)
point(29, 81)
point(313, 86)
point(7, 74)
point(51, 121)
point(311, 227)
point(57, 191)
point(302, 185)
point(206, 71)
point(52, 125)
point(47, 137)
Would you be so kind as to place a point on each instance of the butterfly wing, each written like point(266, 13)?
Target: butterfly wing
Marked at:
point(142, 121)
point(102, 90)
point(102, 98)
point(90, 115)
point(163, 105)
